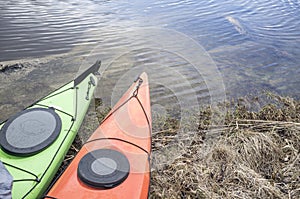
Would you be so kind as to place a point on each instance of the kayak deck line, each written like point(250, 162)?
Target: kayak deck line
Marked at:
point(134, 95)
point(70, 103)
point(36, 177)
point(72, 117)
point(118, 139)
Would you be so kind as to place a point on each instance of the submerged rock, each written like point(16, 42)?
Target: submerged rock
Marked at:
point(11, 68)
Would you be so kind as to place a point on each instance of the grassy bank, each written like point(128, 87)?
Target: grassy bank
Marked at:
point(256, 155)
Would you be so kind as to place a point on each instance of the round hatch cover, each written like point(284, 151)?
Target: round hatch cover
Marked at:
point(30, 131)
point(103, 168)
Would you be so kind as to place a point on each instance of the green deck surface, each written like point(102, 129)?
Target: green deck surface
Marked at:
point(71, 104)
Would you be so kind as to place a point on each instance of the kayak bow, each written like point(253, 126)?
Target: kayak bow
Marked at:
point(35, 141)
point(115, 161)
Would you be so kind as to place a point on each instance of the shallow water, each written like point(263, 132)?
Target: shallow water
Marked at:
point(193, 51)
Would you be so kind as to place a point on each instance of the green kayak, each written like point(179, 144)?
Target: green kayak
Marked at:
point(35, 141)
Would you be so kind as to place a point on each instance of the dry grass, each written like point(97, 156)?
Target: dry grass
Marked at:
point(255, 156)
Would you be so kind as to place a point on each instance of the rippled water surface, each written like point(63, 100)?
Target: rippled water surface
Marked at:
point(191, 49)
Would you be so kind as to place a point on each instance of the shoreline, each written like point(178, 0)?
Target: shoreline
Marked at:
point(254, 155)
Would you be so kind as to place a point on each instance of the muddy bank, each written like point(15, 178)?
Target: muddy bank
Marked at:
point(22, 82)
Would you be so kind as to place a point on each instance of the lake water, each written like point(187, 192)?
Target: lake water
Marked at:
point(193, 51)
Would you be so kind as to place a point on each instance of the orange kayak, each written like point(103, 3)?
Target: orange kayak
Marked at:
point(115, 161)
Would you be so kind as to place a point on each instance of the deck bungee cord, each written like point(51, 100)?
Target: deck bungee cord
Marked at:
point(35, 179)
point(134, 95)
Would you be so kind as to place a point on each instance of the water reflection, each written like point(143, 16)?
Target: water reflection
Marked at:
point(250, 41)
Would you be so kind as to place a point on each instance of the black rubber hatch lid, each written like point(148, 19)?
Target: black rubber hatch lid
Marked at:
point(30, 131)
point(103, 168)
